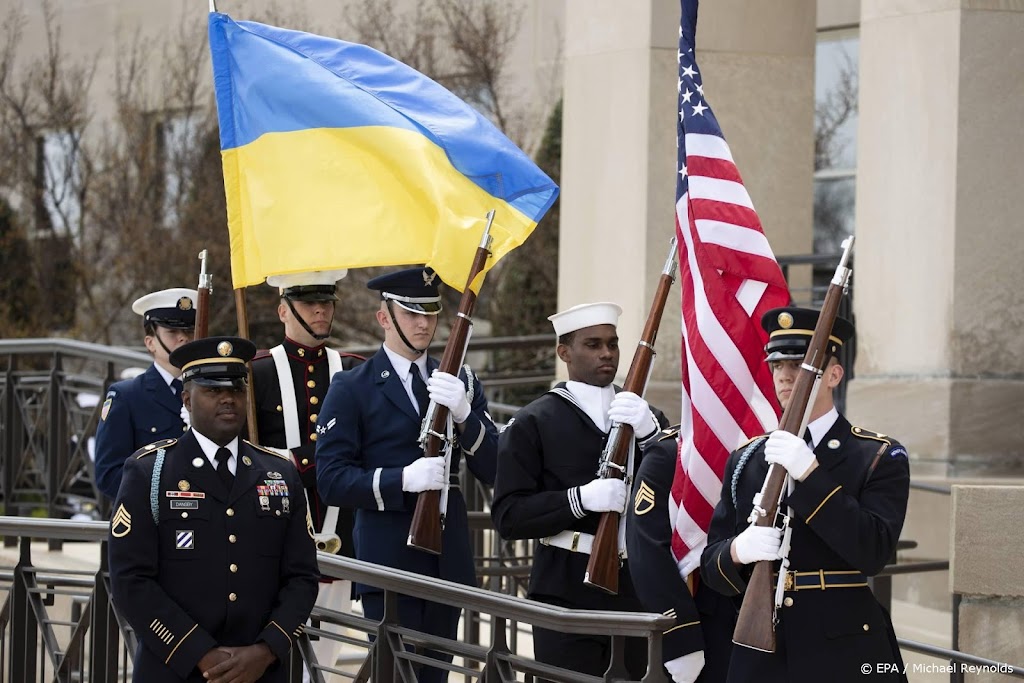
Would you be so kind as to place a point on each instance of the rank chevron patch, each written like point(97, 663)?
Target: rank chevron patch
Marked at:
point(121, 524)
point(643, 501)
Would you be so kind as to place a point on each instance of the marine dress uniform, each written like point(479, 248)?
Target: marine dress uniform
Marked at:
point(368, 431)
point(197, 563)
point(847, 517)
point(705, 620)
point(146, 408)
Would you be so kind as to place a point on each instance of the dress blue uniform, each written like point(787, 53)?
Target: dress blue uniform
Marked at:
point(847, 517)
point(197, 563)
point(144, 409)
point(368, 431)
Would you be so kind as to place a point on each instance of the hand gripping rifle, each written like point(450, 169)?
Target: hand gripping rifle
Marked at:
point(435, 432)
point(603, 566)
point(203, 305)
point(755, 627)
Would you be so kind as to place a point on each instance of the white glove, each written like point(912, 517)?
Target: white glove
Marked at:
point(685, 669)
point(449, 391)
point(424, 474)
point(630, 409)
point(757, 543)
point(604, 495)
point(185, 417)
point(791, 452)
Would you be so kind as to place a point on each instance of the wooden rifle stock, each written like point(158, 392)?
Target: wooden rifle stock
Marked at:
point(203, 304)
point(603, 565)
point(427, 524)
point(755, 626)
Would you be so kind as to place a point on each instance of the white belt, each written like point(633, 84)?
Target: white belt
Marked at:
point(576, 541)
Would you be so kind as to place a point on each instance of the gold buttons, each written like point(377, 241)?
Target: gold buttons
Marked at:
point(310, 384)
point(319, 353)
point(277, 512)
point(230, 512)
point(184, 515)
point(232, 538)
point(312, 418)
point(302, 352)
point(305, 461)
point(232, 597)
point(233, 567)
point(314, 400)
point(310, 368)
point(788, 602)
point(312, 437)
point(152, 429)
point(866, 627)
point(279, 409)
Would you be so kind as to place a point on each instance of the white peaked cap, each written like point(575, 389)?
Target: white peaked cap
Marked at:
point(314, 277)
point(586, 315)
point(166, 298)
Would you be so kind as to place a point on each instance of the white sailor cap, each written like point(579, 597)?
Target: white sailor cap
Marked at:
point(316, 285)
point(586, 315)
point(169, 307)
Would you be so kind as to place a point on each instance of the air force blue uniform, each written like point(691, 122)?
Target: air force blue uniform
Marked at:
point(368, 432)
point(136, 412)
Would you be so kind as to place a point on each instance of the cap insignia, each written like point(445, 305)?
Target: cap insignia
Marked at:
point(785, 320)
point(183, 485)
point(225, 348)
point(185, 303)
point(428, 277)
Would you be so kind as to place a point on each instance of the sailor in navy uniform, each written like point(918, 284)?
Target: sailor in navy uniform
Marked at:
point(547, 486)
point(211, 548)
point(847, 504)
point(146, 408)
point(698, 646)
point(368, 457)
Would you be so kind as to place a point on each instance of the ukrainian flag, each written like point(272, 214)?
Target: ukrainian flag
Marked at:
point(337, 156)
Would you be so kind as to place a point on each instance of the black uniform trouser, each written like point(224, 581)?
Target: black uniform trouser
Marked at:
point(584, 652)
point(420, 615)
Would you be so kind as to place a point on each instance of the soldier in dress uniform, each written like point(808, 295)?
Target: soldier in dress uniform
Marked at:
point(289, 385)
point(211, 548)
point(547, 487)
point(368, 457)
point(846, 504)
point(699, 644)
point(146, 408)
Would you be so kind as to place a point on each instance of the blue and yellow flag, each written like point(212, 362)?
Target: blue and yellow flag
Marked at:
point(338, 156)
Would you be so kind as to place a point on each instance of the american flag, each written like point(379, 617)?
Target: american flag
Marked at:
point(728, 278)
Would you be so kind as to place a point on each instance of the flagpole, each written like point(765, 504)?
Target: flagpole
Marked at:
point(213, 5)
point(242, 314)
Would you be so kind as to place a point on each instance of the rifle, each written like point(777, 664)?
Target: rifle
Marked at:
point(203, 305)
point(428, 519)
point(755, 627)
point(603, 566)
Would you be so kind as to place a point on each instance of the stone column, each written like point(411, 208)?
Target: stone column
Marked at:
point(619, 150)
point(984, 570)
point(939, 302)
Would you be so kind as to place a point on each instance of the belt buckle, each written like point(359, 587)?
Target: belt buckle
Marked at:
point(790, 581)
point(575, 542)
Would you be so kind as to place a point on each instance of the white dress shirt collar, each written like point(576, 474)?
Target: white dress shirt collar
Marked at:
point(210, 450)
point(594, 401)
point(168, 377)
point(819, 428)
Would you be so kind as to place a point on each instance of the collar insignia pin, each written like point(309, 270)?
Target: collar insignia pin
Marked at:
point(833, 444)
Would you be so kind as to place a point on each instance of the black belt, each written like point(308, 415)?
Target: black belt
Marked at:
point(824, 579)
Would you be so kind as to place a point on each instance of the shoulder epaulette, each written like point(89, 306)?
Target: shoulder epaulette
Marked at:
point(669, 433)
point(269, 451)
point(153, 448)
point(868, 434)
point(750, 441)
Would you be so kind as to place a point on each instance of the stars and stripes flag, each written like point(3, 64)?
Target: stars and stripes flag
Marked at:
point(728, 278)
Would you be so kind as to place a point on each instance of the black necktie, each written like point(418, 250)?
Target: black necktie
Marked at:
point(808, 438)
point(419, 390)
point(222, 457)
point(177, 386)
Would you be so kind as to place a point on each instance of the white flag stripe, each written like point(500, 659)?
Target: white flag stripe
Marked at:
point(728, 191)
point(710, 146)
point(749, 294)
point(704, 478)
point(735, 237)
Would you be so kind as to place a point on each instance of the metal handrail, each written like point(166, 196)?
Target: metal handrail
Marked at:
point(961, 657)
point(75, 348)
